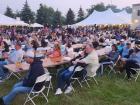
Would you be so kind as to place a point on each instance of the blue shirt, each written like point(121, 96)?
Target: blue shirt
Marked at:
point(135, 57)
point(125, 51)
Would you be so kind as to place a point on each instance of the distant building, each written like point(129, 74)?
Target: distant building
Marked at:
point(135, 15)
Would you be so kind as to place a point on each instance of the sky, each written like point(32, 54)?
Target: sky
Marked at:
point(62, 5)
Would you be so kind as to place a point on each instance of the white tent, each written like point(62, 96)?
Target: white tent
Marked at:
point(36, 25)
point(105, 17)
point(20, 23)
point(7, 21)
point(124, 16)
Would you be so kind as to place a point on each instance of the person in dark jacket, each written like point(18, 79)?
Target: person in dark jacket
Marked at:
point(25, 86)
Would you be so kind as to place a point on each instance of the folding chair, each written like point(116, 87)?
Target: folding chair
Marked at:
point(85, 79)
point(93, 78)
point(16, 74)
point(49, 81)
point(33, 93)
point(111, 65)
point(50, 86)
point(80, 81)
point(135, 76)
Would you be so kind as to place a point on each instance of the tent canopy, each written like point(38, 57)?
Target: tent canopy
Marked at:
point(36, 25)
point(106, 17)
point(7, 21)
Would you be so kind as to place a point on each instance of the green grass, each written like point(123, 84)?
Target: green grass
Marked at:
point(110, 91)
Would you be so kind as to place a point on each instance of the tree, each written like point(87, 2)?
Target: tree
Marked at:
point(17, 14)
point(26, 14)
point(70, 17)
point(9, 12)
point(45, 15)
point(128, 9)
point(100, 7)
point(81, 15)
point(113, 8)
point(90, 10)
point(57, 18)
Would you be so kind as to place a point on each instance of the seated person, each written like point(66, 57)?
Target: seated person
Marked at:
point(111, 58)
point(56, 51)
point(25, 86)
point(133, 61)
point(15, 56)
point(121, 45)
point(89, 59)
point(126, 52)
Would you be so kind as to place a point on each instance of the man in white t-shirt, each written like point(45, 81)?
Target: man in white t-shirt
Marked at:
point(91, 60)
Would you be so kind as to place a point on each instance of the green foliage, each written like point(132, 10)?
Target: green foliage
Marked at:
point(70, 17)
point(26, 14)
point(113, 8)
point(45, 15)
point(9, 12)
point(81, 15)
point(100, 7)
point(17, 14)
point(128, 9)
point(57, 18)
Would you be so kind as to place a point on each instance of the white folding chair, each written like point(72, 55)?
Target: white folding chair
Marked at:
point(49, 86)
point(48, 81)
point(80, 82)
point(33, 93)
point(93, 77)
point(86, 78)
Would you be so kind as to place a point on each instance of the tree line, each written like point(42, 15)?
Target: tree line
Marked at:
point(48, 16)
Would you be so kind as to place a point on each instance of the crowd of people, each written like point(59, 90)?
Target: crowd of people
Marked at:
point(24, 45)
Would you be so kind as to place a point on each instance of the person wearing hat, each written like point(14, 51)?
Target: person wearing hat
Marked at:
point(133, 61)
point(35, 70)
point(121, 45)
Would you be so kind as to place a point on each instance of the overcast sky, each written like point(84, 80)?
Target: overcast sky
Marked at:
point(62, 5)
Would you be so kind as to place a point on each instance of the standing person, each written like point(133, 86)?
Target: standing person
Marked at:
point(35, 70)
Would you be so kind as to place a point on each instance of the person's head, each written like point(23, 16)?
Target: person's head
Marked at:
point(88, 48)
point(95, 44)
point(34, 44)
point(128, 45)
point(29, 57)
point(114, 47)
point(121, 41)
point(56, 46)
point(18, 46)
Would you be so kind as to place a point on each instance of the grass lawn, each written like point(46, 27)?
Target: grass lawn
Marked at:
point(110, 91)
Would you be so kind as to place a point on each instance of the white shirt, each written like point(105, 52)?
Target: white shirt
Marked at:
point(16, 56)
point(93, 63)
